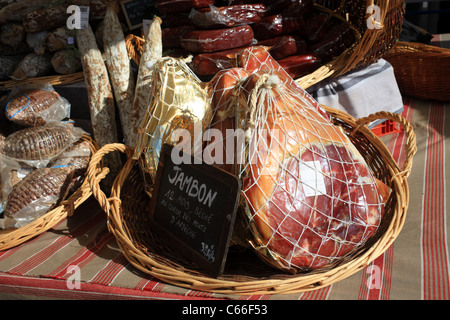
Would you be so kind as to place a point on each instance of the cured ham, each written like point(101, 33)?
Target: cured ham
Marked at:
point(308, 191)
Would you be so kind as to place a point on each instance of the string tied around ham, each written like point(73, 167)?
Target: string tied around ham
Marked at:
point(263, 86)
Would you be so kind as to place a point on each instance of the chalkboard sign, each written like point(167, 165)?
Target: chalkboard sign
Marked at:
point(193, 209)
point(136, 11)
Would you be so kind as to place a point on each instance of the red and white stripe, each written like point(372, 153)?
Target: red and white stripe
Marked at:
point(435, 264)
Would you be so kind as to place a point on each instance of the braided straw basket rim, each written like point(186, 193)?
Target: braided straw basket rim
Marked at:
point(177, 275)
point(53, 80)
point(421, 70)
point(13, 237)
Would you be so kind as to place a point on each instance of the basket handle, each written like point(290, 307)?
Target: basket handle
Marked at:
point(410, 143)
point(95, 175)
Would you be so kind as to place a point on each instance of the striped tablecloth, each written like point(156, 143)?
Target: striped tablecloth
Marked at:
point(416, 266)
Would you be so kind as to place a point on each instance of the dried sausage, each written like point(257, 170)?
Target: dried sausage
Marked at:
point(218, 39)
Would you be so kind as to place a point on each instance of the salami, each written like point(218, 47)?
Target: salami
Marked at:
point(171, 37)
point(218, 39)
point(121, 75)
point(276, 25)
point(45, 19)
point(283, 46)
point(100, 97)
point(228, 16)
point(208, 64)
point(173, 6)
point(299, 65)
point(151, 53)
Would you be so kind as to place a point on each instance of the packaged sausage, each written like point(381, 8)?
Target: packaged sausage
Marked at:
point(171, 37)
point(45, 19)
point(35, 105)
point(276, 25)
point(37, 146)
point(299, 65)
point(208, 64)
point(283, 46)
point(37, 193)
point(228, 16)
point(218, 39)
point(172, 6)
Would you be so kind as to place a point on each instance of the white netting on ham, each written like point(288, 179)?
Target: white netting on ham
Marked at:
point(310, 194)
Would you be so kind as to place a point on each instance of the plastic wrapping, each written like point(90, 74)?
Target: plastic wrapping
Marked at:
point(277, 25)
point(211, 63)
point(34, 195)
point(217, 39)
point(35, 105)
point(76, 157)
point(178, 102)
point(310, 198)
point(229, 16)
point(37, 146)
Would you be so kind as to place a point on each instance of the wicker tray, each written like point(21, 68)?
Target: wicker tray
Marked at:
point(421, 70)
point(372, 44)
point(127, 213)
point(53, 80)
point(10, 238)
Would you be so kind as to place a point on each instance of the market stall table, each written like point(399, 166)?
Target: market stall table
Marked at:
point(80, 259)
point(414, 267)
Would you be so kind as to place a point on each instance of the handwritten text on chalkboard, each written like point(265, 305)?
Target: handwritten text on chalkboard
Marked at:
point(194, 208)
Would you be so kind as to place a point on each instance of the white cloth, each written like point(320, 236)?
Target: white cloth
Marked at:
point(362, 92)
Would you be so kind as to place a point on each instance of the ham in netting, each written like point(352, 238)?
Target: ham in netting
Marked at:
point(308, 191)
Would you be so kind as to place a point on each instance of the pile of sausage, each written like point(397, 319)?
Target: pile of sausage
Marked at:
point(299, 36)
point(42, 158)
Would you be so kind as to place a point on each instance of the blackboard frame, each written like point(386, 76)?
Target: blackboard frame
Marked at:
point(228, 212)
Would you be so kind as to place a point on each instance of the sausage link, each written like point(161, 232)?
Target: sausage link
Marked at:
point(217, 40)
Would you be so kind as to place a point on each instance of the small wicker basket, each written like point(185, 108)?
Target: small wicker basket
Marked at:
point(422, 71)
point(53, 80)
point(127, 214)
point(372, 44)
point(10, 238)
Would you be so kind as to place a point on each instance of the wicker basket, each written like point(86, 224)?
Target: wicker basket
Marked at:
point(421, 70)
point(13, 237)
point(53, 80)
point(372, 44)
point(127, 211)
